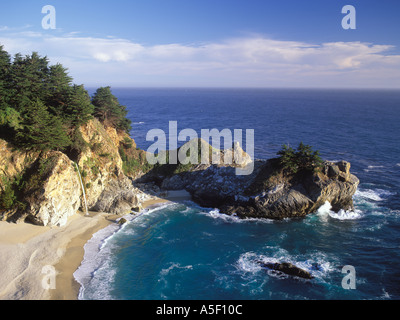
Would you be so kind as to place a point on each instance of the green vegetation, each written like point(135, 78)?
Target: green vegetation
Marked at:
point(133, 160)
point(37, 174)
point(41, 110)
point(302, 159)
point(169, 169)
point(109, 111)
point(7, 197)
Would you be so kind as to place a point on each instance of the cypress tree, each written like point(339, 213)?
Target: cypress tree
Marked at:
point(78, 109)
point(109, 111)
point(5, 64)
point(28, 78)
point(57, 89)
point(41, 130)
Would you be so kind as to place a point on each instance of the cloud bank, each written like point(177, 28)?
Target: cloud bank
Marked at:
point(254, 61)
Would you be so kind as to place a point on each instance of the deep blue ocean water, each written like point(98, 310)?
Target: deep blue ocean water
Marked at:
point(183, 251)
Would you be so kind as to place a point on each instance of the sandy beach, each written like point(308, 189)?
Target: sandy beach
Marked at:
point(29, 254)
point(38, 263)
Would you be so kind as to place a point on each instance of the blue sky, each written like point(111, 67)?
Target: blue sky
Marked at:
point(224, 43)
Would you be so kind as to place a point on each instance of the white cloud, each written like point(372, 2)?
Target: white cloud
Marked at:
point(253, 61)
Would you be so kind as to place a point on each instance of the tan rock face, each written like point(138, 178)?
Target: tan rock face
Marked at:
point(60, 196)
point(101, 162)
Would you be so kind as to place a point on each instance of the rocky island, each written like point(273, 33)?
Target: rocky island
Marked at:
point(271, 191)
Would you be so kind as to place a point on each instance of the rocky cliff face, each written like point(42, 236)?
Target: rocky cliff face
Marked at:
point(46, 187)
point(56, 195)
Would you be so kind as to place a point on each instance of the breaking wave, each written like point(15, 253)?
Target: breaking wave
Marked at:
point(326, 211)
point(372, 194)
point(98, 258)
point(318, 264)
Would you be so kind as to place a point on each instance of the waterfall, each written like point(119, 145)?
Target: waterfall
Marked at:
point(83, 189)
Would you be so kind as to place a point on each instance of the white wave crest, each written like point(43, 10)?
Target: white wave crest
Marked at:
point(247, 262)
point(375, 195)
point(97, 253)
point(325, 211)
point(222, 217)
point(95, 257)
point(316, 264)
point(174, 266)
point(372, 168)
point(346, 215)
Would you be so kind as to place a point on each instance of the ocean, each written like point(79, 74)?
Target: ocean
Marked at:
point(183, 251)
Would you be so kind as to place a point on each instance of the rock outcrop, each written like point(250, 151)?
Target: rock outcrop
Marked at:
point(278, 195)
point(269, 192)
point(287, 269)
point(57, 194)
point(49, 189)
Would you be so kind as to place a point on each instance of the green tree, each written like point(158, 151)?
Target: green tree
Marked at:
point(57, 89)
point(288, 158)
point(7, 194)
point(28, 76)
point(109, 111)
point(5, 64)
point(41, 130)
point(78, 108)
point(10, 118)
point(302, 159)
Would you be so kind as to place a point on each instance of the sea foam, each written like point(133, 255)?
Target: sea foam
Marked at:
point(222, 217)
point(318, 264)
point(98, 255)
point(376, 195)
point(325, 211)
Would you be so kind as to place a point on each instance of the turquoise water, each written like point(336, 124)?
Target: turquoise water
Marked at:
point(183, 251)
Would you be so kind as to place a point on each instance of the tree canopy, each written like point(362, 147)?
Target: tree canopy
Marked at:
point(109, 111)
point(302, 159)
point(41, 108)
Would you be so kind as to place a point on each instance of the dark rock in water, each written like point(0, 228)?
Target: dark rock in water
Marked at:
point(287, 268)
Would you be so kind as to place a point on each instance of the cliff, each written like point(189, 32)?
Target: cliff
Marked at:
point(45, 188)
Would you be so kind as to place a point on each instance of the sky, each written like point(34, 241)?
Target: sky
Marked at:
point(219, 43)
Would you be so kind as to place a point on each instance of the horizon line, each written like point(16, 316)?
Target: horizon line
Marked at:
point(241, 88)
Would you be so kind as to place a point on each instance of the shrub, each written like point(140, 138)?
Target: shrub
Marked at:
point(302, 159)
point(7, 197)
